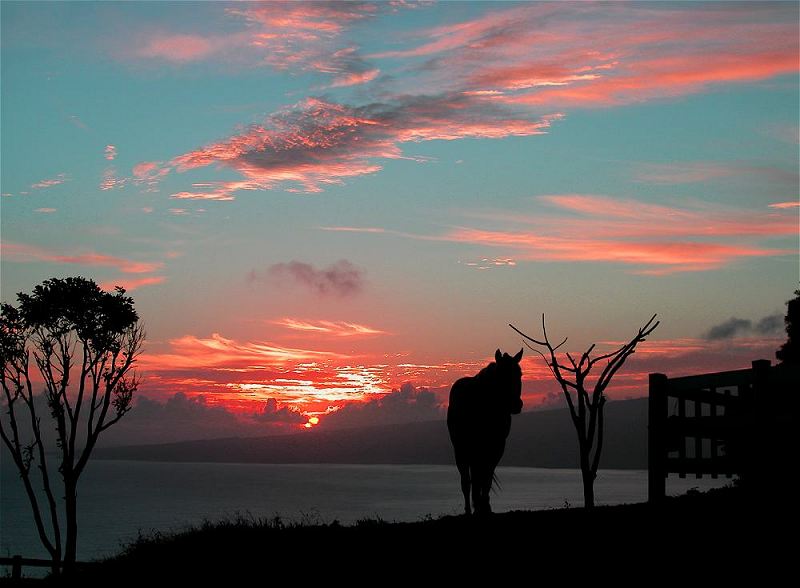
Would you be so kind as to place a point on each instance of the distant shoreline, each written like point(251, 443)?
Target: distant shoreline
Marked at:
point(542, 439)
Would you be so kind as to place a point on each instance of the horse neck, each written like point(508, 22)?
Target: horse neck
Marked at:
point(487, 374)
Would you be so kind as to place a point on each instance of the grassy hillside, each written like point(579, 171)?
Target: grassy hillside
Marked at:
point(713, 536)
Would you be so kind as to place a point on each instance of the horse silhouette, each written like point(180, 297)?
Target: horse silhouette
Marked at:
point(479, 420)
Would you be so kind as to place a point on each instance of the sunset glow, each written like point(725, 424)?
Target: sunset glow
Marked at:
point(327, 212)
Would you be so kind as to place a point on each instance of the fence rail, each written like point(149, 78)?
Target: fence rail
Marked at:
point(17, 562)
point(722, 423)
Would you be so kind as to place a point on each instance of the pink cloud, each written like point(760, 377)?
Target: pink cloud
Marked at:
point(590, 55)
point(131, 284)
point(302, 36)
point(24, 253)
point(317, 143)
point(178, 48)
point(654, 257)
point(110, 152)
point(50, 182)
point(355, 78)
point(703, 171)
point(651, 239)
point(793, 204)
point(46, 210)
point(110, 180)
point(145, 170)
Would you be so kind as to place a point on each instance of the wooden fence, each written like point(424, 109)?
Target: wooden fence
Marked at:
point(17, 562)
point(722, 423)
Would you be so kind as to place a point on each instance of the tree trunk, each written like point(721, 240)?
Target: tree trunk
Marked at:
point(588, 479)
point(588, 488)
point(71, 543)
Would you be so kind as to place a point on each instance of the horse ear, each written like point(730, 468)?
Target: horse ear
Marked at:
point(518, 356)
point(497, 355)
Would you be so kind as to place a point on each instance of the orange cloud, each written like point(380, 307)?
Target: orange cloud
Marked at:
point(24, 253)
point(334, 328)
point(219, 352)
point(131, 284)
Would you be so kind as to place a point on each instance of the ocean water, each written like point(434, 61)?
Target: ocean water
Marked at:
point(117, 500)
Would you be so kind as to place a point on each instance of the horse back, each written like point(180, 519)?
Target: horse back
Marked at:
point(471, 416)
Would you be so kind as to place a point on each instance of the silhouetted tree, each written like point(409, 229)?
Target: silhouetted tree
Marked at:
point(83, 342)
point(789, 352)
point(585, 408)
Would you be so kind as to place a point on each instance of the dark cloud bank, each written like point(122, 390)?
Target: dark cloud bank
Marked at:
point(342, 279)
point(769, 325)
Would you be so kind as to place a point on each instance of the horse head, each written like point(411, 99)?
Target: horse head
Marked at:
point(508, 375)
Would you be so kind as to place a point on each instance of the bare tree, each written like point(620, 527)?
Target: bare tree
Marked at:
point(585, 408)
point(83, 343)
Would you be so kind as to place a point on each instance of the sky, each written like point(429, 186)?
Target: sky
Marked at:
point(327, 212)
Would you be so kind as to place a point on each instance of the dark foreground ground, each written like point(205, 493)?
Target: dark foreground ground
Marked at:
point(715, 537)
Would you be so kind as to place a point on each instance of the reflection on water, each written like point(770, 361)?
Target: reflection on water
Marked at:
point(117, 499)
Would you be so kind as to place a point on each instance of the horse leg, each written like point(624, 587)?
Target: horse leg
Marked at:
point(477, 502)
point(487, 488)
point(463, 469)
point(480, 496)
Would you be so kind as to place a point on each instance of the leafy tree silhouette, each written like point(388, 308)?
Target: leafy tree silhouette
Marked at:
point(789, 352)
point(83, 342)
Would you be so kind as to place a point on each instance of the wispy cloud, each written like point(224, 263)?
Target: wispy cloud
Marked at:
point(333, 328)
point(50, 182)
point(110, 180)
point(594, 55)
point(25, 253)
point(298, 36)
point(648, 238)
point(317, 143)
point(218, 352)
point(110, 152)
point(703, 171)
point(131, 284)
point(46, 210)
point(490, 263)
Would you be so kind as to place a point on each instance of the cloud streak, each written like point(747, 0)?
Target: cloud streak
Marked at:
point(650, 239)
point(317, 143)
point(693, 172)
point(50, 182)
point(332, 328)
point(20, 252)
point(296, 36)
point(593, 55)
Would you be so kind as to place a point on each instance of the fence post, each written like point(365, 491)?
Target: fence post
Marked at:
point(762, 452)
point(656, 448)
